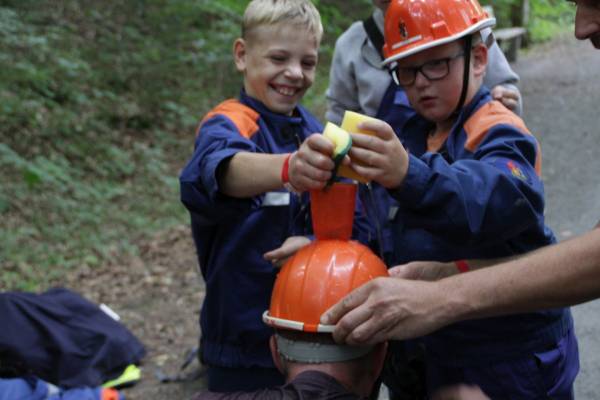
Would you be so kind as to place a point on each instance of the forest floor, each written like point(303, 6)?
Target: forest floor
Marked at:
point(158, 296)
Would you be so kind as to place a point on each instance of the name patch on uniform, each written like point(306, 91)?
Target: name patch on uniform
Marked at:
point(276, 199)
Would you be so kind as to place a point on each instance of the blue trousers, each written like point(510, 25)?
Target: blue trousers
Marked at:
point(547, 374)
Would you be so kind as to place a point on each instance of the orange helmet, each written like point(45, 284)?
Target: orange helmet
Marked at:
point(317, 277)
point(412, 26)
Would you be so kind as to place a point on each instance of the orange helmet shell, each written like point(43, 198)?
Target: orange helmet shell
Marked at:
point(412, 26)
point(317, 277)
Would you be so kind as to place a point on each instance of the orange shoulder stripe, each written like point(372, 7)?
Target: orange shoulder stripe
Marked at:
point(243, 117)
point(109, 394)
point(489, 115)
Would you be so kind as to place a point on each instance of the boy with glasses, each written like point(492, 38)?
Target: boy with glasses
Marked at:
point(467, 176)
point(358, 82)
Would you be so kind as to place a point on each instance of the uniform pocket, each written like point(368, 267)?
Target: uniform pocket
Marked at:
point(558, 367)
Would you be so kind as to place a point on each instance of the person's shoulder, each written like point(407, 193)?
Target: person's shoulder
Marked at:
point(265, 394)
point(243, 117)
point(354, 35)
point(319, 383)
point(493, 113)
point(488, 116)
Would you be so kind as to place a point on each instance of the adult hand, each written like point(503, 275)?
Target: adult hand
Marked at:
point(460, 392)
point(424, 270)
point(388, 308)
point(311, 166)
point(507, 96)
point(381, 158)
point(290, 246)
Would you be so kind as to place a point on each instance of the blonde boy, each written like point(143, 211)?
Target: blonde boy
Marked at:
point(233, 187)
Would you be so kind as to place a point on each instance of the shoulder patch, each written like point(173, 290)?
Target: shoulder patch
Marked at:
point(490, 114)
point(513, 169)
point(243, 117)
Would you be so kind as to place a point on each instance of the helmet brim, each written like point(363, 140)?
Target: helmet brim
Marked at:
point(295, 325)
point(485, 23)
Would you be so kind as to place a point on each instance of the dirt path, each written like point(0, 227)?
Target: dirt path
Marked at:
point(561, 94)
point(158, 293)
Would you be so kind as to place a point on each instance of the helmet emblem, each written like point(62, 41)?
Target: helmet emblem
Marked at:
point(403, 30)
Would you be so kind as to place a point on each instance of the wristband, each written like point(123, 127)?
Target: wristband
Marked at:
point(462, 265)
point(285, 169)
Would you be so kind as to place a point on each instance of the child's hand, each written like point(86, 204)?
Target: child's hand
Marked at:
point(383, 157)
point(290, 246)
point(311, 166)
point(508, 97)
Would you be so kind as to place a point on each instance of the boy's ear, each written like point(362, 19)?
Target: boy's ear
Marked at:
point(239, 54)
point(479, 58)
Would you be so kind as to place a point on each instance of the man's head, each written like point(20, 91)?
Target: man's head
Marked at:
point(587, 21)
point(314, 279)
point(435, 52)
point(355, 367)
point(278, 51)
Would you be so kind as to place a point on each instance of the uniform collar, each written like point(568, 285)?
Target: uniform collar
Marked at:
point(285, 129)
point(320, 380)
point(274, 118)
point(481, 97)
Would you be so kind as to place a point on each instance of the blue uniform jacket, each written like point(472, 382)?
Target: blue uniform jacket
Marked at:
point(478, 194)
point(232, 234)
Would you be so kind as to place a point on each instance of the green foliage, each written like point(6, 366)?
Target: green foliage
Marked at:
point(546, 17)
point(549, 18)
point(98, 106)
point(99, 101)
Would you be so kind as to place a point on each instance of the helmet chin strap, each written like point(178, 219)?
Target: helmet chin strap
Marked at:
point(467, 70)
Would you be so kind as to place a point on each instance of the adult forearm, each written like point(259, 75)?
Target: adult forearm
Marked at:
point(250, 174)
point(560, 275)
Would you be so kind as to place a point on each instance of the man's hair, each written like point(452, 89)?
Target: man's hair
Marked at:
point(316, 348)
point(358, 359)
point(272, 12)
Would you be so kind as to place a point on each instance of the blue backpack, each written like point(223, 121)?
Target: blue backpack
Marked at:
point(63, 339)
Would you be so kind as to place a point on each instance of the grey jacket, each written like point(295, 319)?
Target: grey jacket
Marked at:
point(357, 82)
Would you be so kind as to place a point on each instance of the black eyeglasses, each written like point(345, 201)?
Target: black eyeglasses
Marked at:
point(432, 70)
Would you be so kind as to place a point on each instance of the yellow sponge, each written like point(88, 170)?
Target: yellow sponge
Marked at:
point(341, 140)
point(350, 124)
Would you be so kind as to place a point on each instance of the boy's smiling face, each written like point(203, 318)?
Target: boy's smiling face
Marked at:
point(278, 63)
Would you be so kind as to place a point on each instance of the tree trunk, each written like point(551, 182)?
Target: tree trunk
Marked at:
point(519, 15)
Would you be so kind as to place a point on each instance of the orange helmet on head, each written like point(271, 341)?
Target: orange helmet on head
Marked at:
point(317, 277)
point(412, 26)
